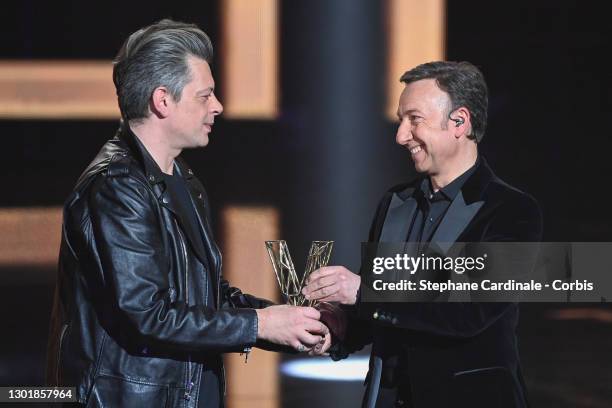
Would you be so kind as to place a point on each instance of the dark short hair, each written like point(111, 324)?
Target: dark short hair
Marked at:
point(155, 56)
point(465, 86)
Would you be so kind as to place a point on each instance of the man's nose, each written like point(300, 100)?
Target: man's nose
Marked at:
point(217, 107)
point(403, 135)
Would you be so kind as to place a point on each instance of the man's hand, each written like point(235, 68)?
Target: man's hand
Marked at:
point(333, 284)
point(297, 327)
point(321, 348)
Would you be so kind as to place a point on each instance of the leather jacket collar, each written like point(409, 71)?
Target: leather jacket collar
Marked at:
point(152, 171)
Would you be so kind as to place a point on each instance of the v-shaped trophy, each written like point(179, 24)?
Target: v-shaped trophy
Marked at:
point(288, 281)
point(291, 285)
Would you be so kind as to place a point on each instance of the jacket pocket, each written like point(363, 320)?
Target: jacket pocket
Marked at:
point(115, 392)
point(491, 387)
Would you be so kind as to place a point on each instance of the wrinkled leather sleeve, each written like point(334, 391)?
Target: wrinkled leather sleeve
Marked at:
point(233, 297)
point(126, 238)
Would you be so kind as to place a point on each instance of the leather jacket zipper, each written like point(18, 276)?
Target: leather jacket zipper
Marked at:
point(219, 279)
point(184, 248)
point(59, 354)
point(189, 378)
point(218, 307)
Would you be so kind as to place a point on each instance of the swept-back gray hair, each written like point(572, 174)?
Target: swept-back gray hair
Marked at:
point(155, 56)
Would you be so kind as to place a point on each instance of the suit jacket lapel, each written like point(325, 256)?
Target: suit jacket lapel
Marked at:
point(398, 218)
point(464, 207)
point(455, 221)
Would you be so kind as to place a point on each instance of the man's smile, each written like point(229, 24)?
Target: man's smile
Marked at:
point(415, 149)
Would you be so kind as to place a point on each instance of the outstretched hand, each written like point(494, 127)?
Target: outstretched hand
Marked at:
point(333, 284)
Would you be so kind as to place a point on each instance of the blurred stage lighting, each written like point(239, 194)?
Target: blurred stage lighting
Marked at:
point(323, 368)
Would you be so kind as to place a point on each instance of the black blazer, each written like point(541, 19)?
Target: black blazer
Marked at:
point(450, 354)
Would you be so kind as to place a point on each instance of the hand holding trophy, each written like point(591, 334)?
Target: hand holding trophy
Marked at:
point(291, 285)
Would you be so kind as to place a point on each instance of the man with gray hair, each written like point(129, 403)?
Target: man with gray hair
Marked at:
point(141, 312)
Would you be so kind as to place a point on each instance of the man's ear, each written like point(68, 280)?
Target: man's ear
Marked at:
point(160, 103)
point(463, 123)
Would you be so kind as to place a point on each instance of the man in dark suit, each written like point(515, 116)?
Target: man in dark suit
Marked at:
point(439, 354)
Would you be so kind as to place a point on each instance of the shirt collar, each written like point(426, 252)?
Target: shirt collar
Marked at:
point(450, 191)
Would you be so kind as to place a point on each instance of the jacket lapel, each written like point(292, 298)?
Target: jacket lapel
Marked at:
point(455, 221)
point(194, 241)
point(463, 209)
point(197, 194)
point(398, 218)
point(155, 178)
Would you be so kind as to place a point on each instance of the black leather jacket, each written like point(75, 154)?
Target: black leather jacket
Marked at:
point(131, 325)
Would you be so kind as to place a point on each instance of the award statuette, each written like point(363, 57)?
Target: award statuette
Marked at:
point(291, 285)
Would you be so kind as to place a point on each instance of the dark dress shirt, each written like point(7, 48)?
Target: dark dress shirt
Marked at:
point(431, 206)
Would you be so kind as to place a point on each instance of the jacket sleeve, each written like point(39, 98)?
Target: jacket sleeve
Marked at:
point(359, 329)
point(232, 297)
point(126, 242)
point(517, 220)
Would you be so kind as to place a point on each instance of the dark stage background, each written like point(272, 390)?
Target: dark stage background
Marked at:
point(325, 162)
